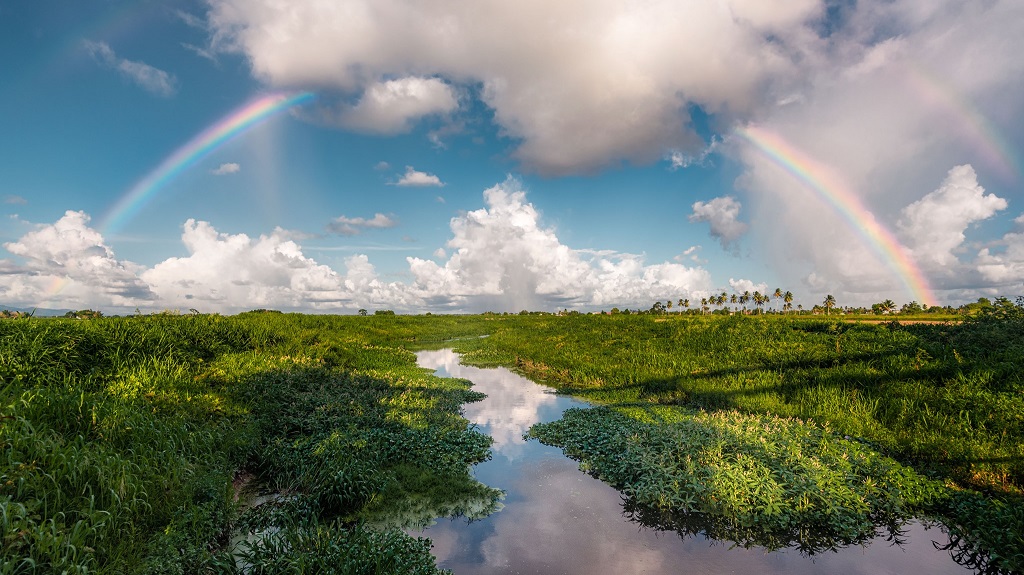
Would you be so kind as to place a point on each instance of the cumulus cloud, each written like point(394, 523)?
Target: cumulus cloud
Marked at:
point(394, 106)
point(71, 258)
point(225, 169)
point(906, 89)
point(68, 264)
point(414, 178)
point(579, 85)
point(502, 258)
point(153, 80)
point(15, 200)
point(1004, 268)
point(722, 214)
point(228, 271)
point(934, 225)
point(499, 257)
point(744, 285)
point(1002, 264)
point(352, 226)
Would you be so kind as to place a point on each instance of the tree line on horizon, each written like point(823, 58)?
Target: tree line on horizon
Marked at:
point(739, 304)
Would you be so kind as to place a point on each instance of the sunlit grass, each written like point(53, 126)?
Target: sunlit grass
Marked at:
point(941, 403)
point(122, 437)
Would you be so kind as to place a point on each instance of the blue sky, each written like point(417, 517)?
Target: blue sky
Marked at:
point(568, 156)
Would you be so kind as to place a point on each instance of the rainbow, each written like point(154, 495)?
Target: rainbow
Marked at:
point(974, 126)
point(196, 149)
point(830, 187)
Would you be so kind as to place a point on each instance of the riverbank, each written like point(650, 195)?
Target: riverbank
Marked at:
point(944, 402)
point(122, 438)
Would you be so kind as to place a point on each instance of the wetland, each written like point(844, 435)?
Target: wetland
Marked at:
point(784, 444)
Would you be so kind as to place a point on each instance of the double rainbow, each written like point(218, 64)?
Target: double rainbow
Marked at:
point(827, 185)
point(196, 149)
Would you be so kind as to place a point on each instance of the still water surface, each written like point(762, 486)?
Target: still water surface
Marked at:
point(559, 520)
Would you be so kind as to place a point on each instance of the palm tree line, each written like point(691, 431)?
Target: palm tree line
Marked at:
point(779, 301)
point(738, 301)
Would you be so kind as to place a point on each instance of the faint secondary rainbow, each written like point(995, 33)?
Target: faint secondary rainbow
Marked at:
point(228, 127)
point(985, 138)
point(820, 178)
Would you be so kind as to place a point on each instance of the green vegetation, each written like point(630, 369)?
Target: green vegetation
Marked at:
point(288, 443)
point(756, 480)
point(944, 401)
point(122, 438)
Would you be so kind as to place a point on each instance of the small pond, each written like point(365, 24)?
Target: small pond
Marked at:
point(557, 519)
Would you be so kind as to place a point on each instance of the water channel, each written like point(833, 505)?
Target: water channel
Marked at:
point(559, 520)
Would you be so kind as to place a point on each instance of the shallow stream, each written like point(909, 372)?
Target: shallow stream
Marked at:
point(559, 520)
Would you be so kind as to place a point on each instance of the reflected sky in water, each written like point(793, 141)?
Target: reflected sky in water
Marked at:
point(559, 520)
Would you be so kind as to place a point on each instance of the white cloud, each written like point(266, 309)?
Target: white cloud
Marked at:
point(382, 166)
point(678, 159)
point(934, 225)
point(351, 226)
point(394, 106)
point(691, 253)
point(15, 200)
point(722, 214)
point(224, 271)
point(502, 259)
point(151, 79)
point(499, 257)
point(906, 90)
point(744, 285)
point(579, 85)
point(224, 169)
point(70, 260)
point(418, 179)
point(1004, 268)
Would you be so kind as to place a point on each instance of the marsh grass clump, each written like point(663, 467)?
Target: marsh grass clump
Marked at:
point(339, 549)
point(757, 480)
point(121, 438)
point(944, 400)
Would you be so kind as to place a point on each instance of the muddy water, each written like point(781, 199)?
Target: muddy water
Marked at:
point(558, 519)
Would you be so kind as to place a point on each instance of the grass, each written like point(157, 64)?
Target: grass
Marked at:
point(757, 480)
point(941, 403)
point(122, 437)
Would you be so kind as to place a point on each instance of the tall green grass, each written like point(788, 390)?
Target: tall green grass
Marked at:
point(122, 438)
point(944, 401)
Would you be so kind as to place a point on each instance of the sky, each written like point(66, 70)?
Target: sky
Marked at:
point(447, 156)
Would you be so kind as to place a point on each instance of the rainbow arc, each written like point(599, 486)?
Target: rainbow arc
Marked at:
point(830, 188)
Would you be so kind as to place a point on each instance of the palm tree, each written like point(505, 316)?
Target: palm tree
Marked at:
point(668, 305)
point(680, 303)
point(788, 298)
point(777, 294)
point(888, 306)
point(744, 299)
point(758, 300)
point(685, 303)
point(829, 302)
point(703, 305)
